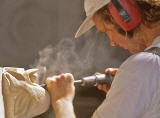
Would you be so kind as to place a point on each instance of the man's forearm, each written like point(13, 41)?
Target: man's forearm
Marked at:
point(64, 109)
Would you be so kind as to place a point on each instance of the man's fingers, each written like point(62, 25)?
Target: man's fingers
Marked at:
point(58, 79)
point(69, 77)
point(111, 70)
point(100, 87)
point(50, 80)
point(103, 87)
point(62, 76)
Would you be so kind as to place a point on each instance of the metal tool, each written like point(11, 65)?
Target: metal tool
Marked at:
point(93, 80)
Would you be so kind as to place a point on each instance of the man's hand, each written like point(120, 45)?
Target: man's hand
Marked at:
point(62, 91)
point(61, 87)
point(105, 87)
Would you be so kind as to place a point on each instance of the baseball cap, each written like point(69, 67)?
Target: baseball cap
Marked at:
point(91, 7)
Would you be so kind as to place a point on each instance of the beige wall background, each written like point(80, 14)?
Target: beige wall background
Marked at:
point(28, 26)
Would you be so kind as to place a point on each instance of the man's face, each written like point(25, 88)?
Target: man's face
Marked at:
point(115, 37)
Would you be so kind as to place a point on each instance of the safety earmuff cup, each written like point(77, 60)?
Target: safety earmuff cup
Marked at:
point(125, 13)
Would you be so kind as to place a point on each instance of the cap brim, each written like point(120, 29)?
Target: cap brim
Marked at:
point(85, 26)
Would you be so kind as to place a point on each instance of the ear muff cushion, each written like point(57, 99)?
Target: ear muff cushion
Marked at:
point(133, 11)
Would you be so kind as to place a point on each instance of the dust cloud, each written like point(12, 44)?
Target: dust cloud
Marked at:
point(79, 57)
point(66, 56)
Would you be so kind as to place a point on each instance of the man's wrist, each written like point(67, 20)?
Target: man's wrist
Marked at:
point(63, 108)
point(61, 102)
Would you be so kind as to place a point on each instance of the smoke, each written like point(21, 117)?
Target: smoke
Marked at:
point(79, 57)
point(67, 56)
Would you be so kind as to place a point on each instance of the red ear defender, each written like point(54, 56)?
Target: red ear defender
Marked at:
point(125, 13)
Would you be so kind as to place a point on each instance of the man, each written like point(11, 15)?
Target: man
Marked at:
point(135, 90)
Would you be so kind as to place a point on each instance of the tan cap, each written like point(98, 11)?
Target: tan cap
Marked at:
point(90, 6)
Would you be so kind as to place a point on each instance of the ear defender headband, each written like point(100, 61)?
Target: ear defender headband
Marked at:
point(125, 13)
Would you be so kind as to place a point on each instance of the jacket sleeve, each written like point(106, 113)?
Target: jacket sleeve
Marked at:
point(131, 91)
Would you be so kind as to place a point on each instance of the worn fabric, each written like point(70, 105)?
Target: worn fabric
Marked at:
point(135, 91)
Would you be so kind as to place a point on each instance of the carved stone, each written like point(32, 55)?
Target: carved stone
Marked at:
point(22, 97)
